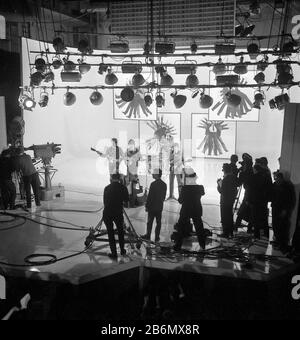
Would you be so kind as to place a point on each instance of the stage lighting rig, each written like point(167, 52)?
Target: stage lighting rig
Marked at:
point(165, 47)
point(26, 100)
point(219, 68)
point(225, 48)
point(178, 99)
point(44, 99)
point(259, 99)
point(185, 66)
point(241, 67)
point(96, 98)
point(160, 99)
point(110, 78)
point(119, 46)
point(148, 98)
point(279, 102)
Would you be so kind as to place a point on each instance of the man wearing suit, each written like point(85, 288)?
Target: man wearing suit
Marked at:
point(115, 195)
point(227, 187)
point(155, 204)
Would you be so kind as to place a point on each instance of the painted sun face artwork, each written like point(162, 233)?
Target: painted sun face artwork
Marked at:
point(213, 143)
point(135, 109)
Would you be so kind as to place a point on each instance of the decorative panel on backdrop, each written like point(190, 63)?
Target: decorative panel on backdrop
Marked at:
point(212, 139)
point(245, 112)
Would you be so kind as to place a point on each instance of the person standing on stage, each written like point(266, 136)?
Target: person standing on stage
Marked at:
point(155, 203)
point(115, 195)
point(176, 167)
point(23, 163)
point(227, 187)
point(7, 186)
point(234, 169)
point(115, 155)
point(190, 199)
point(133, 156)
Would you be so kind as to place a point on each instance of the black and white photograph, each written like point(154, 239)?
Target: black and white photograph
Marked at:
point(149, 164)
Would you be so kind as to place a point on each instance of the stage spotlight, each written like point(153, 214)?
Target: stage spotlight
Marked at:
point(240, 68)
point(148, 99)
point(219, 68)
point(69, 98)
point(56, 63)
point(279, 102)
point(96, 98)
point(253, 50)
point(58, 45)
point(260, 78)
point(40, 65)
point(192, 80)
point(138, 80)
point(70, 77)
point(238, 30)
point(263, 64)
point(69, 66)
point(102, 68)
point(49, 76)
point(205, 101)
point(164, 47)
point(233, 99)
point(127, 94)
point(26, 101)
point(254, 8)
point(178, 99)
point(247, 31)
point(110, 78)
point(166, 79)
point(84, 67)
point(285, 76)
point(160, 99)
point(259, 99)
point(119, 46)
point(36, 79)
point(221, 49)
point(44, 99)
point(84, 47)
point(194, 48)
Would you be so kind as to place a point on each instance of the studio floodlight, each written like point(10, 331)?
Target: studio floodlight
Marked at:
point(205, 101)
point(259, 99)
point(44, 99)
point(260, 78)
point(59, 45)
point(178, 99)
point(127, 94)
point(84, 47)
point(192, 80)
point(26, 100)
point(119, 46)
point(279, 102)
point(138, 79)
point(40, 65)
point(160, 99)
point(254, 8)
point(241, 67)
point(165, 47)
point(233, 100)
point(219, 68)
point(69, 98)
point(194, 48)
point(148, 98)
point(96, 98)
point(36, 79)
point(166, 79)
point(247, 31)
point(56, 63)
point(110, 78)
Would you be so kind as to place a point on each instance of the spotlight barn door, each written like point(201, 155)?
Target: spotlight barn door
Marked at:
point(290, 154)
point(3, 136)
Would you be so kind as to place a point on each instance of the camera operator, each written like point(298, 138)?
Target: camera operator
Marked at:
point(7, 186)
point(283, 203)
point(245, 174)
point(190, 199)
point(23, 162)
point(258, 197)
point(227, 187)
point(115, 195)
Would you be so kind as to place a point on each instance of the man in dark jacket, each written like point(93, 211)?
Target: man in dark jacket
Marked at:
point(190, 199)
point(258, 197)
point(228, 190)
point(7, 186)
point(155, 203)
point(115, 195)
point(283, 203)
